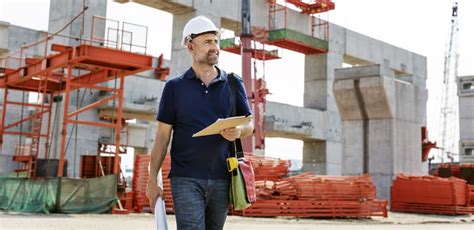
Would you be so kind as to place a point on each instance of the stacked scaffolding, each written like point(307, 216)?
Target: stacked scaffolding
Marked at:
point(308, 195)
point(433, 195)
point(304, 195)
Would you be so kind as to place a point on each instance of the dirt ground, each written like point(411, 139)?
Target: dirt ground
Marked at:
point(146, 221)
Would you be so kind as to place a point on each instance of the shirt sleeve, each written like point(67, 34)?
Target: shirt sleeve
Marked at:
point(242, 103)
point(166, 113)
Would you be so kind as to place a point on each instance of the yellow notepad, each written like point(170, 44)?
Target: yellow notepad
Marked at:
point(221, 124)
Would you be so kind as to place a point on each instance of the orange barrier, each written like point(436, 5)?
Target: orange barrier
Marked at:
point(430, 194)
point(140, 178)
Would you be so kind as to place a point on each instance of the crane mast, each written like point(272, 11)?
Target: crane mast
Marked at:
point(449, 122)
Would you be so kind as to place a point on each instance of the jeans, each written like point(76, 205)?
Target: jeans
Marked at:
point(200, 203)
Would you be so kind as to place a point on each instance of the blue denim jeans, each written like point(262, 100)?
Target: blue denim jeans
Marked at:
point(199, 203)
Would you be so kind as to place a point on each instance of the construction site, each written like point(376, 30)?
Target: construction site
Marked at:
point(79, 104)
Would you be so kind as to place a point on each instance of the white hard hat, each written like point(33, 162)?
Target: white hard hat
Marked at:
point(197, 26)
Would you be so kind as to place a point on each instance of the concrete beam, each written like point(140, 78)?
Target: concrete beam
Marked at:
point(363, 72)
point(294, 122)
point(173, 7)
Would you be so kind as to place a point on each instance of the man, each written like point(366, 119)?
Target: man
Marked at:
point(190, 102)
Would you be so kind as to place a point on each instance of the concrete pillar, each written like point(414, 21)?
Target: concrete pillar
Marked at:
point(323, 157)
point(382, 123)
point(314, 159)
point(180, 58)
point(466, 119)
point(353, 157)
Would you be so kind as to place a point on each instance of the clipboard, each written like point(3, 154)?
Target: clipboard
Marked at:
point(221, 124)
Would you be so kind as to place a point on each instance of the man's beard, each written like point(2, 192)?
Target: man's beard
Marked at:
point(211, 58)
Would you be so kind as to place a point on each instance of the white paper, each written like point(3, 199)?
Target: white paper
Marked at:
point(221, 124)
point(160, 211)
point(160, 215)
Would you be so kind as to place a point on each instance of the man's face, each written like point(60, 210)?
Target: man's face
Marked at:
point(205, 49)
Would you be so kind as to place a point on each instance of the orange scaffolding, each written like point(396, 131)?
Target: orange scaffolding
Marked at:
point(295, 41)
point(65, 69)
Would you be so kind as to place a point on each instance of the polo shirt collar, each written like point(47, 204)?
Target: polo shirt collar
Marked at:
point(190, 74)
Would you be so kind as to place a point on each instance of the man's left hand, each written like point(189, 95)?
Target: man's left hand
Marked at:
point(231, 134)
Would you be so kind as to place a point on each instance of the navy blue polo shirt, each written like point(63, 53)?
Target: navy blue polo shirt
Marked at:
point(189, 106)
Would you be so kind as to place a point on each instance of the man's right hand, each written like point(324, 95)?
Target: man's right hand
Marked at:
point(153, 191)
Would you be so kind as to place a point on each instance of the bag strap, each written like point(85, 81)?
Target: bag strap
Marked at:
point(235, 146)
point(233, 88)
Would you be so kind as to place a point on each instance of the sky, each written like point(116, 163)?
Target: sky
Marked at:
point(421, 26)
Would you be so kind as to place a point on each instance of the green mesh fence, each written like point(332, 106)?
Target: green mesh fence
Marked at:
point(58, 195)
point(15, 175)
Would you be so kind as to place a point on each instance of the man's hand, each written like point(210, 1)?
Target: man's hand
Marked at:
point(153, 191)
point(231, 134)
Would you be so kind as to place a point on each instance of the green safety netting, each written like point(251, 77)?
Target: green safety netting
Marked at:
point(281, 34)
point(58, 195)
point(227, 43)
point(284, 34)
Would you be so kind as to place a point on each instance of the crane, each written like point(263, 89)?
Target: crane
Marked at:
point(449, 103)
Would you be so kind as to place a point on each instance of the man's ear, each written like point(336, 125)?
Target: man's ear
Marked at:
point(190, 46)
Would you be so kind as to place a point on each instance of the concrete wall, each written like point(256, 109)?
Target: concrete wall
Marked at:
point(140, 104)
point(61, 12)
point(11, 39)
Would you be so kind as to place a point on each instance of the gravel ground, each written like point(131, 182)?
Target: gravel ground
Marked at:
point(399, 221)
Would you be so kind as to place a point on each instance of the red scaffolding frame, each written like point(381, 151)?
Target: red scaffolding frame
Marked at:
point(66, 69)
point(319, 27)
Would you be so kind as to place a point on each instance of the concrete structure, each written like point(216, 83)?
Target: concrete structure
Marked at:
point(11, 39)
point(466, 118)
point(320, 126)
point(382, 118)
point(319, 123)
